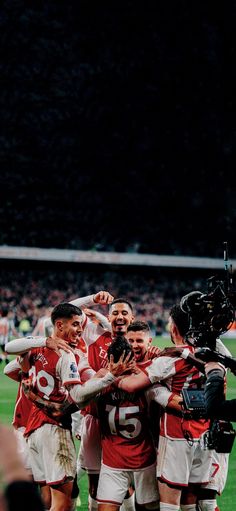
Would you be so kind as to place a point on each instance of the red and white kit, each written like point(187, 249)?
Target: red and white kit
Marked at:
point(128, 452)
point(180, 438)
point(21, 411)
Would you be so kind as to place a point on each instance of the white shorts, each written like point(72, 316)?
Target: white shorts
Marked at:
point(23, 447)
point(114, 483)
point(90, 450)
point(180, 463)
point(219, 472)
point(52, 454)
point(77, 423)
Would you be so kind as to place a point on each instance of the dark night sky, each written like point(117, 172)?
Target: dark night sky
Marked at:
point(118, 125)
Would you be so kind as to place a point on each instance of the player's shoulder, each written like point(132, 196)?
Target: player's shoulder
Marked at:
point(104, 338)
point(50, 356)
point(145, 363)
point(107, 334)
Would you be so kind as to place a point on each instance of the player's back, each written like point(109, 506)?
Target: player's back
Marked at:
point(177, 373)
point(126, 439)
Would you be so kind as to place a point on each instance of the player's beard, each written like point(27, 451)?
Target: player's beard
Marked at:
point(120, 329)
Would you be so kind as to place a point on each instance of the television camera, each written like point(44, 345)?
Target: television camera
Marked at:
point(210, 315)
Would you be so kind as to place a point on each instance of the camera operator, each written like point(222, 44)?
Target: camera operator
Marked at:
point(216, 404)
point(210, 315)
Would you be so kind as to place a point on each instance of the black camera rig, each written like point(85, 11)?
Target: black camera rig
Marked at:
point(221, 435)
point(210, 315)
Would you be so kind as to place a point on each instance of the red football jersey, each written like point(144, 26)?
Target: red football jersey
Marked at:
point(97, 346)
point(50, 374)
point(126, 440)
point(22, 409)
point(177, 373)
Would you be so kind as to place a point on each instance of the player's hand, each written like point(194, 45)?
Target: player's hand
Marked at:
point(92, 315)
point(103, 298)
point(153, 351)
point(124, 364)
point(56, 343)
point(27, 385)
point(176, 402)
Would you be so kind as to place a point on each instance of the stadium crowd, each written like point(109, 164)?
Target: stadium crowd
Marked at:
point(27, 293)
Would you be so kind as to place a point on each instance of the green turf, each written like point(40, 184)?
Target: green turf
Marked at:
point(227, 501)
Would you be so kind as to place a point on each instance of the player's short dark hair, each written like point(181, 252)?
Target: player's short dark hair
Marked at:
point(180, 318)
point(117, 347)
point(121, 300)
point(65, 310)
point(138, 326)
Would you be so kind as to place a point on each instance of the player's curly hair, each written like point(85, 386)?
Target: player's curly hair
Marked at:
point(119, 346)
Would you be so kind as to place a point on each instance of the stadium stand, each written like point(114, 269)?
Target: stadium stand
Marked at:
point(28, 287)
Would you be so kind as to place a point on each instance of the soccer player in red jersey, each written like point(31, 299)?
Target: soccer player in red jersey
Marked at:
point(55, 376)
point(179, 436)
point(128, 450)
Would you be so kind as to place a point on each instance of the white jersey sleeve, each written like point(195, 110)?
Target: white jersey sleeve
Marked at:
point(103, 321)
point(24, 344)
point(85, 371)
point(161, 368)
point(89, 326)
point(67, 369)
point(82, 394)
point(159, 393)
point(92, 332)
point(84, 301)
point(12, 366)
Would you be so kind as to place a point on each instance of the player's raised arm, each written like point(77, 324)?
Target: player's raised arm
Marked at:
point(24, 344)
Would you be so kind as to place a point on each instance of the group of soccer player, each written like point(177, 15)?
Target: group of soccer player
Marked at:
point(139, 448)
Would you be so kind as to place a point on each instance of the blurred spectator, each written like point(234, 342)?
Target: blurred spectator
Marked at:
point(34, 292)
point(24, 326)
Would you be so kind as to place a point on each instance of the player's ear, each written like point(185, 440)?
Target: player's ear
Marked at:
point(59, 324)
